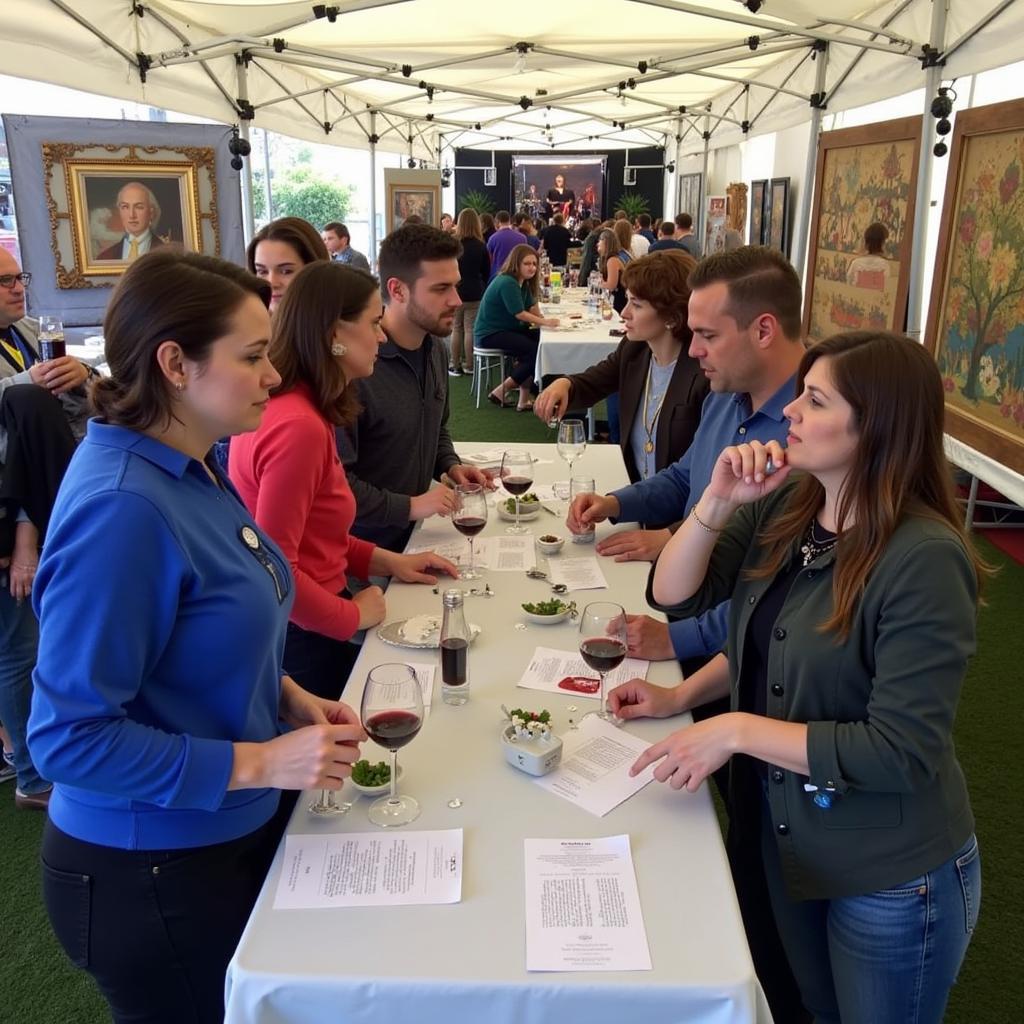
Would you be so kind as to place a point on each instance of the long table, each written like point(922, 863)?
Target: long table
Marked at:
point(465, 963)
point(572, 349)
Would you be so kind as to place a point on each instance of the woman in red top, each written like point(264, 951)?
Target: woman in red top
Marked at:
point(326, 332)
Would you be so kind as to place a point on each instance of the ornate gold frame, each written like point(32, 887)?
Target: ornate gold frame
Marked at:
point(65, 164)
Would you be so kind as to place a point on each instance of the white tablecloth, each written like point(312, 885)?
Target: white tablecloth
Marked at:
point(568, 350)
point(464, 964)
point(1002, 478)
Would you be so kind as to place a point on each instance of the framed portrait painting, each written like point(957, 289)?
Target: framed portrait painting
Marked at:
point(858, 269)
point(111, 204)
point(776, 227)
point(976, 316)
point(758, 198)
point(716, 224)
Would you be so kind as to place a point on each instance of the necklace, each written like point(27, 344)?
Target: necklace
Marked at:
point(649, 428)
point(812, 547)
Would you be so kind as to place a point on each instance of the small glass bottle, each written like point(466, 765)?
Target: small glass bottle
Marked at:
point(454, 650)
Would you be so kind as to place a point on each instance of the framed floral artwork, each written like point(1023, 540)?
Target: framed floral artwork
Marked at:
point(976, 316)
point(858, 269)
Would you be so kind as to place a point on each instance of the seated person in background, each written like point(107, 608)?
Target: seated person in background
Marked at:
point(613, 255)
point(589, 257)
point(160, 711)
point(640, 244)
point(509, 318)
point(685, 235)
point(666, 239)
point(661, 387)
point(280, 250)
point(745, 315)
point(844, 780)
point(871, 271)
point(325, 337)
point(339, 244)
point(400, 442)
point(642, 226)
point(523, 223)
point(556, 242)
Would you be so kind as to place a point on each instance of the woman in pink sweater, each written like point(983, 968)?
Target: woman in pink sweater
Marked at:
point(325, 335)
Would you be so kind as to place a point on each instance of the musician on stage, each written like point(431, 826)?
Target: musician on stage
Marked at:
point(560, 199)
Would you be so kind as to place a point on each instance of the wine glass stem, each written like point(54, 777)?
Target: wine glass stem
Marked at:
point(393, 798)
point(471, 562)
point(517, 513)
point(325, 798)
point(603, 705)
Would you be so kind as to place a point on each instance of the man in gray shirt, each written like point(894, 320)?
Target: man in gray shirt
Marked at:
point(685, 236)
point(400, 442)
point(339, 245)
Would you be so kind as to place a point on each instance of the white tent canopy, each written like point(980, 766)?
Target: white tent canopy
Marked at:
point(576, 74)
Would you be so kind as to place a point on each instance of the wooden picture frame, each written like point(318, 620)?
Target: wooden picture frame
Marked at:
point(776, 215)
point(758, 199)
point(716, 223)
point(864, 175)
point(975, 326)
point(101, 196)
point(691, 196)
point(420, 198)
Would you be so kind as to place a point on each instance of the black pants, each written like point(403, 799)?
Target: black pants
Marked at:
point(155, 928)
point(520, 344)
point(318, 663)
point(39, 447)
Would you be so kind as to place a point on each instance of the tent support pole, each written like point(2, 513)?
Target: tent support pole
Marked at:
point(267, 188)
point(248, 221)
point(705, 190)
point(373, 188)
point(933, 78)
point(799, 255)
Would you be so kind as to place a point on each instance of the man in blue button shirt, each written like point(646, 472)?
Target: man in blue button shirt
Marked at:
point(744, 312)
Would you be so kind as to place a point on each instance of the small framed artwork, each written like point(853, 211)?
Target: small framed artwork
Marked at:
point(975, 325)
point(716, 224)
point(690, 195)
point(777, 215)
point(758, 199)
point(413, 200)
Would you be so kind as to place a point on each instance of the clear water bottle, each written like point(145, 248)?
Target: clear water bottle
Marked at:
point(51, 338)
point(454, 650)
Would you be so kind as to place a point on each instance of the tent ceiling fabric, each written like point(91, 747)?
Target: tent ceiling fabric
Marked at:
point(360, 56)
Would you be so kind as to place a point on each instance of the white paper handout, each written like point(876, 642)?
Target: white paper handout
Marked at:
point(594, 773)
point(582, 906)
point(578, 573)
point(370, 869)
point(548, 667)
point(501, 554)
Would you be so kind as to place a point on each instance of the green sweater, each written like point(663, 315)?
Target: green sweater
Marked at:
point(879, 707)
point(504, 298)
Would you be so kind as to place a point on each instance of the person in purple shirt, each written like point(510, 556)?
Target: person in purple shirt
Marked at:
point(503, 241)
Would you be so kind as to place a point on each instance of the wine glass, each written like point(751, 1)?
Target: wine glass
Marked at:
point(517, 479)
point(392, 713)
point(603, 645)
point(469, 518)
point(572, 441)
point(328, 805)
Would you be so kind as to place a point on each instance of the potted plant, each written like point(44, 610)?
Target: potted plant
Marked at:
point(477, 201)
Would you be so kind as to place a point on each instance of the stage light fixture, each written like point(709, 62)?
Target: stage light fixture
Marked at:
point(943, 126)
point(942, 105)
point(941, 149)
point(411, 164)
point(671, 168)
point(238, 148)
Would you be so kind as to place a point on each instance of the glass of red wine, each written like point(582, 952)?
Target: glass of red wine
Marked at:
point(392, 713)
point(469, 518)
point(517, 479)
point(603, 645)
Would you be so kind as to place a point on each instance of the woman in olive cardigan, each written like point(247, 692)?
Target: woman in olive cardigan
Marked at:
point(854, 594)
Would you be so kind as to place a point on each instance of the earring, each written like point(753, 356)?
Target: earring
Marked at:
point(179, 386)
point(338, 350)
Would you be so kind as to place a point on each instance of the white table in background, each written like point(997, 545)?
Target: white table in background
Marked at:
point(568, 350)
point(465, 964)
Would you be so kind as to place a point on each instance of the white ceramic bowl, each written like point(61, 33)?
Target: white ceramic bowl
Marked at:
point(535, 757)
point(550, 547)
point(530, 511)
point(376, 790)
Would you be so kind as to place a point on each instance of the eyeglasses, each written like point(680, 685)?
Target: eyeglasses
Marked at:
point(8, 280)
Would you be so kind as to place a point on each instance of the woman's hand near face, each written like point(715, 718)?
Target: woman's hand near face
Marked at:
point(740, 474)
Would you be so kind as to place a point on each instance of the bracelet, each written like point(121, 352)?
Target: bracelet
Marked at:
point(700, 522)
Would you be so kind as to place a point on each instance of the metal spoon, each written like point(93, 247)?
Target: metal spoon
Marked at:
point(538, 574)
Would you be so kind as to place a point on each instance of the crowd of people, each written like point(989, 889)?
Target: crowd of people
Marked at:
point(257, 458)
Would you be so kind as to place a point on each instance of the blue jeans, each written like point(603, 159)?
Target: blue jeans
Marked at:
point(19, 642)
point(888, 957)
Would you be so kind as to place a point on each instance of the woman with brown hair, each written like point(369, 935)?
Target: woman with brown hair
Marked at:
point(613, 255)
point(474, 272)
point(325, 337)
point(159, 699)
point(509, 318)
point(661, 388)
point(280, 250)
point(854, 596)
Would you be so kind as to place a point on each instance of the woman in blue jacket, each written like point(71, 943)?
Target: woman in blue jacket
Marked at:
point(159, 698)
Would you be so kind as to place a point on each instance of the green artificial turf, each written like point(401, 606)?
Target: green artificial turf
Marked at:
point(39, 986)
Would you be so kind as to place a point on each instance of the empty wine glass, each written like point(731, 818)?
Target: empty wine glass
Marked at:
point(392, 713)
point(603, 645)
point(572, 441)
point(327, 804)
point(517, 479)
point(469, 518)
